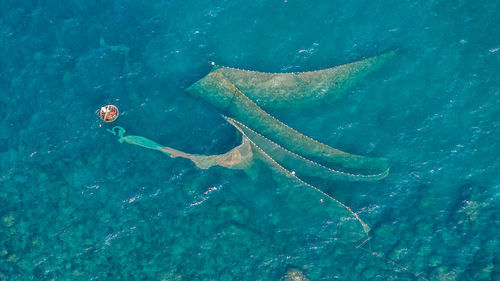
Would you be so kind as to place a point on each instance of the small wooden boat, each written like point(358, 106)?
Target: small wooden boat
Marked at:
point(109, 113)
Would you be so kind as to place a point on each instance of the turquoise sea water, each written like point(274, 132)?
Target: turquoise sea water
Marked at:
point(77, 205)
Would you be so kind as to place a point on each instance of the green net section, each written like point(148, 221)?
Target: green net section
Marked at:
point(292, 90)
point(239, 157)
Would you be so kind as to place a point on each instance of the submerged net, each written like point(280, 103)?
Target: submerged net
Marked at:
point(239, 95)
point(242, 96)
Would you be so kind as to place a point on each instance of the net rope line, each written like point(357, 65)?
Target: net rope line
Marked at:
point(302, 157)
point(382, 257)
point(365, 226)
point(277, 73)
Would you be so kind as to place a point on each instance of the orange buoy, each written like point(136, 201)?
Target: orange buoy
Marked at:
point(109, 113)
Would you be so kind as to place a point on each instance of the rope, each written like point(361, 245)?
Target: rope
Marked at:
point(381, 256)
point(366, 228)
point(300, 72)
point(278, 73)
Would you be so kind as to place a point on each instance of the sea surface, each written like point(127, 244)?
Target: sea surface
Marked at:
point(75, 204)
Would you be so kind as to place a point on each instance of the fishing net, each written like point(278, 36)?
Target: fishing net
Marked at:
point(239, 95)
point(243, 97)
